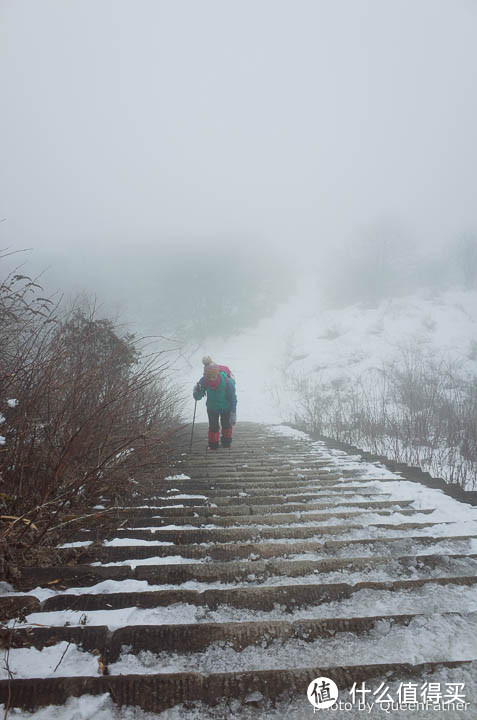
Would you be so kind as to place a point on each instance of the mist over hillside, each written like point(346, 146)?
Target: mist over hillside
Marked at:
point(303, 207)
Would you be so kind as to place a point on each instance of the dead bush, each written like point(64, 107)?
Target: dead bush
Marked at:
point(420, 409)
point(84, 408)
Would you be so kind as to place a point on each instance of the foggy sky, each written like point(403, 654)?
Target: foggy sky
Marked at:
point(147, 122)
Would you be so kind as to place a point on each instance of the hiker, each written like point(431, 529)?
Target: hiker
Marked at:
point(221, 403)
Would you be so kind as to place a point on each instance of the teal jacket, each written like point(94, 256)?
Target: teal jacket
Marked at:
point(224, 397)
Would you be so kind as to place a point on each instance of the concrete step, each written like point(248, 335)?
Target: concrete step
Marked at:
point(188, 535)
point(241, 506)
point(236, 571)
point(255, 517)
point(158, 693)
point(223, 552)
point(199, 636)
point(254, 597)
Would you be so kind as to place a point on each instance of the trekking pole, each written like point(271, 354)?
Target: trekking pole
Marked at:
point(192, 432)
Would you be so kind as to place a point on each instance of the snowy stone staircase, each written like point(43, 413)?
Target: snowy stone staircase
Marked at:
point(248, 574)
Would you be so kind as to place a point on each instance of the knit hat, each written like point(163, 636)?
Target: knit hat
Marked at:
point(211, 371)
point(207, 360)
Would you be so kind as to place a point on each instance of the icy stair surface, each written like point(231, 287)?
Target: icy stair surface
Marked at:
point(246, 574)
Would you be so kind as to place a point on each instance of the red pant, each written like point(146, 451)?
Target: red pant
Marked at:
point(224, 416)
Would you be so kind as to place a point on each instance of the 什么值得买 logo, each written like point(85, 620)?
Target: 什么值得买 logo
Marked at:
point(322, 693)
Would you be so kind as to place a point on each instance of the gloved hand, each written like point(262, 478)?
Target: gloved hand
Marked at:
point(196, 391)
point(233, 418)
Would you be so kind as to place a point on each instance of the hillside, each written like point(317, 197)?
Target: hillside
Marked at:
point(340, 348)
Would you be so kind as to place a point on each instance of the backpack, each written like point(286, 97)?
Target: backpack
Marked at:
point(230, 388)
point(226, 370)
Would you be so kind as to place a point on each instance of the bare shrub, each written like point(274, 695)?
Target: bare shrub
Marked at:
point(83, 407)
point(420, 409)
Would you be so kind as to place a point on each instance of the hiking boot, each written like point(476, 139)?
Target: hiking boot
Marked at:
point(213, 446)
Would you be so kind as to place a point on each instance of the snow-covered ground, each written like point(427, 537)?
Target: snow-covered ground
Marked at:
point(332, 343)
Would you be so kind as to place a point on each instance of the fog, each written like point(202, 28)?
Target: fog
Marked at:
point(163, 154)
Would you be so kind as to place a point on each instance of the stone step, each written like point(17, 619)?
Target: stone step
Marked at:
point(209, 490)
point(236, 571)
point(283, 480)
point(331, 493)
point(223, 552)
point(241, 506)
point(198, 637)
point(301, 515)
point(160, 692)
point(188, 535)
point(290, 487)
point(271, 471)
point(261, 490)
point(262, 597)
point(299, 491)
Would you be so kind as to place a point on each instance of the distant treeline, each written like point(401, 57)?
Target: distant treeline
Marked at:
point(385, 261)
point(217, 289)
